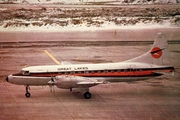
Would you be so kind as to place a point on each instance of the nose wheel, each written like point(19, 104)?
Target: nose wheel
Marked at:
point(27, 92)
point(28, 95)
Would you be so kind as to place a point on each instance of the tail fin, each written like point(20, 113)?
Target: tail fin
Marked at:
point(158, 54)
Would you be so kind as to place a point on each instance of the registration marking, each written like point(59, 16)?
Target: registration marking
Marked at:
point(52, 57)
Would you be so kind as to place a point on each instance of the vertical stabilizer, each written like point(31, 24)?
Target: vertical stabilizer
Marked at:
point(158, 54)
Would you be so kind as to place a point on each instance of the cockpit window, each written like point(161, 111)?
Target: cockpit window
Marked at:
point(24, 72)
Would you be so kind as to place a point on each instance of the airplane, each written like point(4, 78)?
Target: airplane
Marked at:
point(80, 77)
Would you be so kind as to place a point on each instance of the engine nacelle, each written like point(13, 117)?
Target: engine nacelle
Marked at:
point(66, 82)
point(69, 82)
point(79, 89)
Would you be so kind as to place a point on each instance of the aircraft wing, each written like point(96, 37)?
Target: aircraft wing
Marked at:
point(91, 83)
point(74, 82)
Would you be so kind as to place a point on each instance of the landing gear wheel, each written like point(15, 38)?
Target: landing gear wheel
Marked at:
point(87, 95)
point(27, 92)
point(28, 95)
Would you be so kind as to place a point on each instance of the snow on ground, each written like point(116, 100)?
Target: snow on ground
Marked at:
point(84, 27)
point(91, 1)
point(59, 18)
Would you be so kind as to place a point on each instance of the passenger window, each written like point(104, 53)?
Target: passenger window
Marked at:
point(105, 71)
point(72, 72)
point(86, 72)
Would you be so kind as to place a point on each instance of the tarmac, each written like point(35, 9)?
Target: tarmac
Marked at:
point(153, 99)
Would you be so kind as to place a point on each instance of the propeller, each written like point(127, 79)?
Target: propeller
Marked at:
point(51, 84)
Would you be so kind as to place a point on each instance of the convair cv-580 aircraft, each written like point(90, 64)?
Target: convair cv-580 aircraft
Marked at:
point(80, 77)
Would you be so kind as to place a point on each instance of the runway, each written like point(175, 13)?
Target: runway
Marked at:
point(119, 34)
point(153, 99)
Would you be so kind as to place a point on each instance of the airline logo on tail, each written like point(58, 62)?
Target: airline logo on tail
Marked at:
point(156, 52)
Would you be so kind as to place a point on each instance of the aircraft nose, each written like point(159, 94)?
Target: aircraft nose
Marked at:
point(7, 79)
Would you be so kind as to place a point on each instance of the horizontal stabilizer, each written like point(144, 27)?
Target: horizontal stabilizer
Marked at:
point(164, 73)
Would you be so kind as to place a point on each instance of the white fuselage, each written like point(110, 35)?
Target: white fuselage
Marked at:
point(111, 72)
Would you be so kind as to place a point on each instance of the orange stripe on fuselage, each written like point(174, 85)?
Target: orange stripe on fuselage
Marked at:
point(107, 74)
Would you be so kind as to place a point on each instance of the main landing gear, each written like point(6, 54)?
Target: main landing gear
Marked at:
point(87, 95)
point(84, 91)
point(27, 92)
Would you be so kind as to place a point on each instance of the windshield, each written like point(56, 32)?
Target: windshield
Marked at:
point(23, 72)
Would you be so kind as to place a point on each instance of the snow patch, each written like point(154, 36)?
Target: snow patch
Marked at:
point(84, 27)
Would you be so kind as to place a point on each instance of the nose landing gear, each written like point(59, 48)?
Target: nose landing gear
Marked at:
point(27, 92)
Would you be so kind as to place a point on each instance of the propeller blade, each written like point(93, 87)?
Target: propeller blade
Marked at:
point(53, 89)
point(51, 84)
